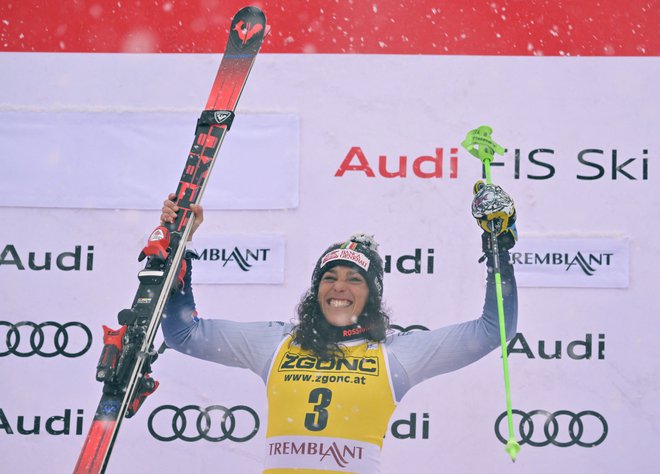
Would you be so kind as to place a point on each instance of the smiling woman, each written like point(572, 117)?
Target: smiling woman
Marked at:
point(343, 293)
point(345, 298)
point(333, 378)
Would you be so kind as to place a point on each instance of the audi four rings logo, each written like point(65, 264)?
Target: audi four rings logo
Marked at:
point(20, 345)
point(215, 423)
point(572, 433)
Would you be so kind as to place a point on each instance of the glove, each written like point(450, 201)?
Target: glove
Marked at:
point(491, 205)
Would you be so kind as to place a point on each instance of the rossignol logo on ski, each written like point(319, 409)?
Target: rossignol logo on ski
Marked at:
point(221, 115)
point(214, 117)
point(246, 31)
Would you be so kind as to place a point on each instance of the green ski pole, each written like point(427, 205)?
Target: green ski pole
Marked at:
point(480, 145)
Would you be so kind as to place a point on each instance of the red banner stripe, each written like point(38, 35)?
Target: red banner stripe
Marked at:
point(448, 27)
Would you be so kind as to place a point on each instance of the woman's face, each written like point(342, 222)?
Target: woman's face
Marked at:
point(343, 294)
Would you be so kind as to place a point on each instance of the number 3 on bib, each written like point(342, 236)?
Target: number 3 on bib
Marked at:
point(318, 420)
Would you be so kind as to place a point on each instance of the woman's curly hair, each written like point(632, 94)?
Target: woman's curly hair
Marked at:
point(315, 334)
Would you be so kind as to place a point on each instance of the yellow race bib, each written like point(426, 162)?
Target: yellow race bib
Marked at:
point(328, 416)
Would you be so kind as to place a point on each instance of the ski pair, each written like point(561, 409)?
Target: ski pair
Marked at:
point(128, 353)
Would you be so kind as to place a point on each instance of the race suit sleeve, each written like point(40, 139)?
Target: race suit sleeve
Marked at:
point(418, 355)
point(235, 344)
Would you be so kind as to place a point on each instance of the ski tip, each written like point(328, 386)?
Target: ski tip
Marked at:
point(250, 12)
point(248, 29)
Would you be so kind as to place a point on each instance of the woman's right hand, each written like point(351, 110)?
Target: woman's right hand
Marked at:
point(170, 209)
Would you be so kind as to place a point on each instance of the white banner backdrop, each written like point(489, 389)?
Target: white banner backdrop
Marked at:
point(119, 160)
point(582, 162)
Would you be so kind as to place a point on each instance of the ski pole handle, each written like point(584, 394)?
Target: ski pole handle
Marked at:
point(479, 144)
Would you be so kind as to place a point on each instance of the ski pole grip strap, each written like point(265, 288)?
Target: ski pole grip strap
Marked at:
point(216, 117)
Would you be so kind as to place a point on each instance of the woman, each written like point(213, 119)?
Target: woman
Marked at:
point(333, 379)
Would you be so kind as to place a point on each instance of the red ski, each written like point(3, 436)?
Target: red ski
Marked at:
point(128, 353)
